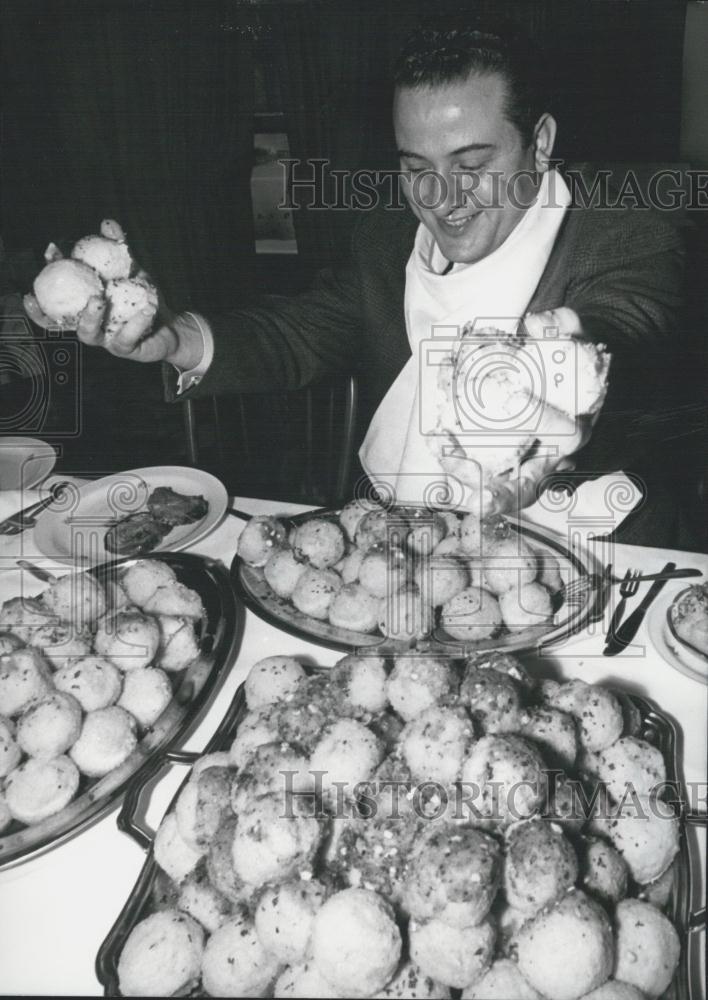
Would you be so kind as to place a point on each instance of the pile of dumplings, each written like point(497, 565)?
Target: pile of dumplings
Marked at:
point(99, 266)
point(410, 827)
point(85, 670)
point(407, 572)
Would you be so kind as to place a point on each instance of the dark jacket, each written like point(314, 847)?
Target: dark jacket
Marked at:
point(621, 270)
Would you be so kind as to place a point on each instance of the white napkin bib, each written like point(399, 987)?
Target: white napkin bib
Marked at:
point(494, 291)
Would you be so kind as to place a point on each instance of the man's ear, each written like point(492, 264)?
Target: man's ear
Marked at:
point(544, 138)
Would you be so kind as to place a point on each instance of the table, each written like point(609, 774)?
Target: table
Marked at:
point(56, 910)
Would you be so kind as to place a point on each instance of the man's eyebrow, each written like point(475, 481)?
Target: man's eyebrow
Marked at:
point(471, 147)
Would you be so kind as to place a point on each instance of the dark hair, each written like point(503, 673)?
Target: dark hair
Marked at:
point(447, 50)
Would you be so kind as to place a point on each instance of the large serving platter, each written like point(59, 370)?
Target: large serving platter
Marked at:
point(582, 603)
point(643, 719)
point(219, 634)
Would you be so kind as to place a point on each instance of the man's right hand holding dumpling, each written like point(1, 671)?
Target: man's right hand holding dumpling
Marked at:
point(101, 293)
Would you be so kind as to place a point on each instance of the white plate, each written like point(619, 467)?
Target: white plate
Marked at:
point(74, 532)
point(24, 462)
point(668, 646)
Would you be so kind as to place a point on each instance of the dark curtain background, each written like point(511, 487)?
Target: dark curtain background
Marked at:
point(333, 73)
point(143, 112)
point(138, 110)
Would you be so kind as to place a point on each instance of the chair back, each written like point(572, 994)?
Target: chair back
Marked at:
point(296, 446)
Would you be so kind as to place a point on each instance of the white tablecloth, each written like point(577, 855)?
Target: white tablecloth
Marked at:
point(56, 910)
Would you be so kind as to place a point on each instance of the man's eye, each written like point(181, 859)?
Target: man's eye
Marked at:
point(464, 169)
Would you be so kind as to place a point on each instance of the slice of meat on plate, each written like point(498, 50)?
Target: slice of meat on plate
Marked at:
point(135, 534)
point(174, 508)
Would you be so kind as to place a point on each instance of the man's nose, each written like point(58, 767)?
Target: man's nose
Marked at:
point(436, 191)
point(452, 193)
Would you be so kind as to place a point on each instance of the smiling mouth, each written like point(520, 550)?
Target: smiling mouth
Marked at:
point(456, 226)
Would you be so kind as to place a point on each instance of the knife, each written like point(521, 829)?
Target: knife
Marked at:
point(619, 610)
point(673, 574)
point(630, 626)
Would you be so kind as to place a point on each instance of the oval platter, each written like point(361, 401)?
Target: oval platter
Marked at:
point(644, 719)
point(218, 638)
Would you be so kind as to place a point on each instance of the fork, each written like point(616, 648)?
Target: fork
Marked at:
point(26, 518)
point(628, 588)
point(578, 587)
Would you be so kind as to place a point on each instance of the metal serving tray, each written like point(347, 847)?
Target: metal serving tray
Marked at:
point(644, 719)
point(584, 604)
point(219, 634)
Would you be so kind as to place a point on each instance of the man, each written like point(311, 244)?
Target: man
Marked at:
point(475, 142)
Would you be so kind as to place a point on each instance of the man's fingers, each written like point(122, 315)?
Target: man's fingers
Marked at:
point(526, 491)
point(35, 313)
point(561, 322)
point(536, 468)
point(155, 347)
point(90, 325)
point(562, 433)
point(126, 340)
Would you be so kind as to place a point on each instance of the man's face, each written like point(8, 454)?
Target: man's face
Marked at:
point(454, 139)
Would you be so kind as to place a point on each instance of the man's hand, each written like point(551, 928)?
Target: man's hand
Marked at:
point(556, 438)
point(561, 322)
point(176, 340)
